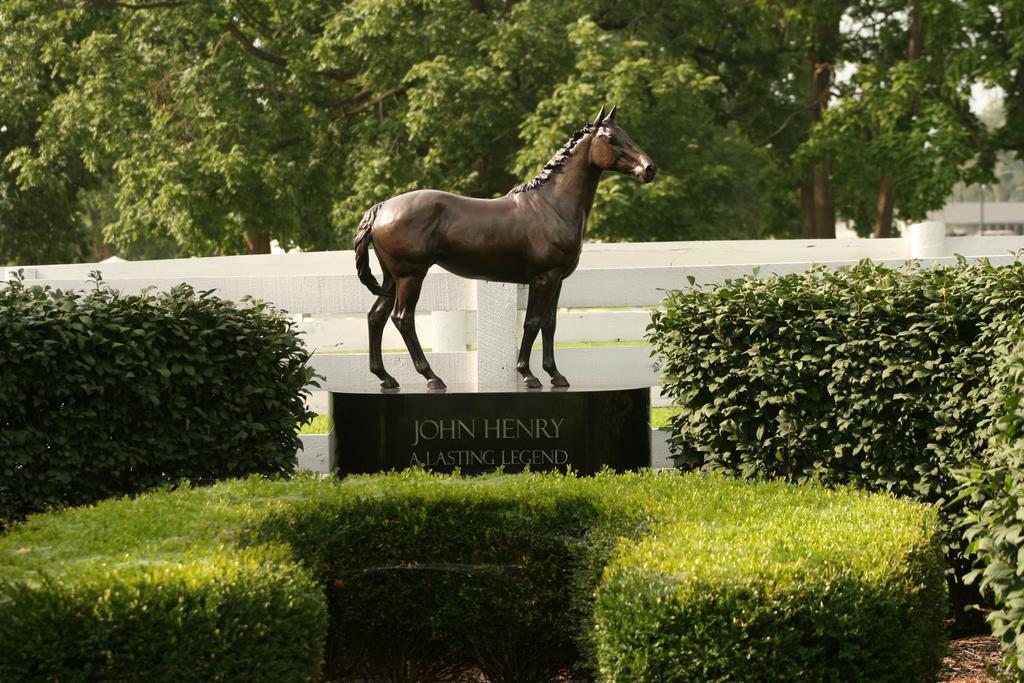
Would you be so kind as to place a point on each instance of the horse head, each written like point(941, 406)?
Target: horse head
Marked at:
point(613, 150)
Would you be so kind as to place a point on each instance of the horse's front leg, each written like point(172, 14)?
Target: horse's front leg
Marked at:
point(548, 334)
point(404, 317)
point(542, 289)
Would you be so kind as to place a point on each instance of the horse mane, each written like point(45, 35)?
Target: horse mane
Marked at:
point(557, 161)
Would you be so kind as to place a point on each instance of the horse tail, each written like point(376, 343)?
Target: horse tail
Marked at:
point(361, 244)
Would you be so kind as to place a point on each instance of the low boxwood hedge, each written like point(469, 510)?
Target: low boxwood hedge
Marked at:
point(767, 584)
point(413, 576)
point(872, 376)
point(107, 394)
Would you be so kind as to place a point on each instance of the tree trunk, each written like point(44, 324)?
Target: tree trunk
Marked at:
point(817, 203)
point(886, 190)
point(824, 202)
point(100, 249)
point(1011, 135)
point(256, 241)
point(916, 45)
point(807, 230)
point(816, 195)
point(886, 199)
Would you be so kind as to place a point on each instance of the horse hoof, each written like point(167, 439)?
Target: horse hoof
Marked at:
point(531, 383)
point(389, 383)
point(436, 384)
point(559, 381)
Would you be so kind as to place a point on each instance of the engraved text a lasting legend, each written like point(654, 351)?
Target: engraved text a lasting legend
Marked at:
point(488, 429)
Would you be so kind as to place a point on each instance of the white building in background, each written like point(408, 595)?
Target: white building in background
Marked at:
point(967, 219)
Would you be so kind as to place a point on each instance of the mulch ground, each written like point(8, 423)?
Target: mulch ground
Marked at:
point(972, 660)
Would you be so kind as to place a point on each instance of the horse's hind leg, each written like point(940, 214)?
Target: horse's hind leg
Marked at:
point(542, 290)
point(404, 317)
point(547, 329)
point(376, 319)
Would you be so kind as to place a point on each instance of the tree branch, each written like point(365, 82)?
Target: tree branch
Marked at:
point(337, 74)
point(286, 143)
point(370, 104)
point(145, 5)
point(250, 46)
point(788, 120)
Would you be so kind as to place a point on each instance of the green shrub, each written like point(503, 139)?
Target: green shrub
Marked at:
point(157, 589)
point(437, 574)
point(108, 394)
point(993, 522)
point(425, 575)
point(769, 583)
point(871, 376)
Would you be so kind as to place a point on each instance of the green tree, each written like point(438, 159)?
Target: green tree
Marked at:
point(668, 105)
point(39, 220)
point(223, 124)
point(995, 57)
point(901, 134)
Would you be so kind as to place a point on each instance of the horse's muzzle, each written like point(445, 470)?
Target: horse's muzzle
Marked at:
point(647, 172)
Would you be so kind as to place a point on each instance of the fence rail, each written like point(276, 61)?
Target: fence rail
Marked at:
point(472, 327)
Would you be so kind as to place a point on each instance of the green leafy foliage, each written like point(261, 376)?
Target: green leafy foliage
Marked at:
point(39, 212)
point(994, 488)
point(697, 156)
point(425, 575)
point(157, 589)
point(108, 394)
point(769, 583)
point(219, 125)
point(439, 575)
point(902, 112)
point(870, 376)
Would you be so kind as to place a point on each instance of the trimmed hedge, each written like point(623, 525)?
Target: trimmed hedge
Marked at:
point(411, 576)
point(872, 376)
point(108, 394)
point(993, 523)
point(158, 588)
point(768, 585)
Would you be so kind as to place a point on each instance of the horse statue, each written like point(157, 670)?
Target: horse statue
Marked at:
point(533, 235)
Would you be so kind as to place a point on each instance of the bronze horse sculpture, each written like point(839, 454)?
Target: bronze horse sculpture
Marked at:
point(533, 236)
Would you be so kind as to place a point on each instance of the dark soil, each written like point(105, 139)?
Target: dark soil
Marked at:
point(974, 659)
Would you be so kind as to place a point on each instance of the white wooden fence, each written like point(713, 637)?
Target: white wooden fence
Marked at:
point(471, 327)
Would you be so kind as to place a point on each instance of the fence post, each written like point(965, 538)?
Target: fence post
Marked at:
point(927, 240)
point(496, 332)
point(448, 331)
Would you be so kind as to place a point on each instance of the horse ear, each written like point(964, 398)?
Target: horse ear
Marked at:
point(611, 115)
point(600, 117)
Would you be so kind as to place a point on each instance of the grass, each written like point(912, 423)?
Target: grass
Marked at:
point(579, 344)
point(321, 424)
point(660, 417)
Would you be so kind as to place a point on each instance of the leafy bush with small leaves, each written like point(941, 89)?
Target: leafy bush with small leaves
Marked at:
point(775, 583)
point(158, 588)
point(871, 376)
point(994, 489)
point(107, 394)
point(422, 576)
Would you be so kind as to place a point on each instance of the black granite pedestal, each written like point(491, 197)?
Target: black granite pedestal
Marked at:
point(479, 429)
